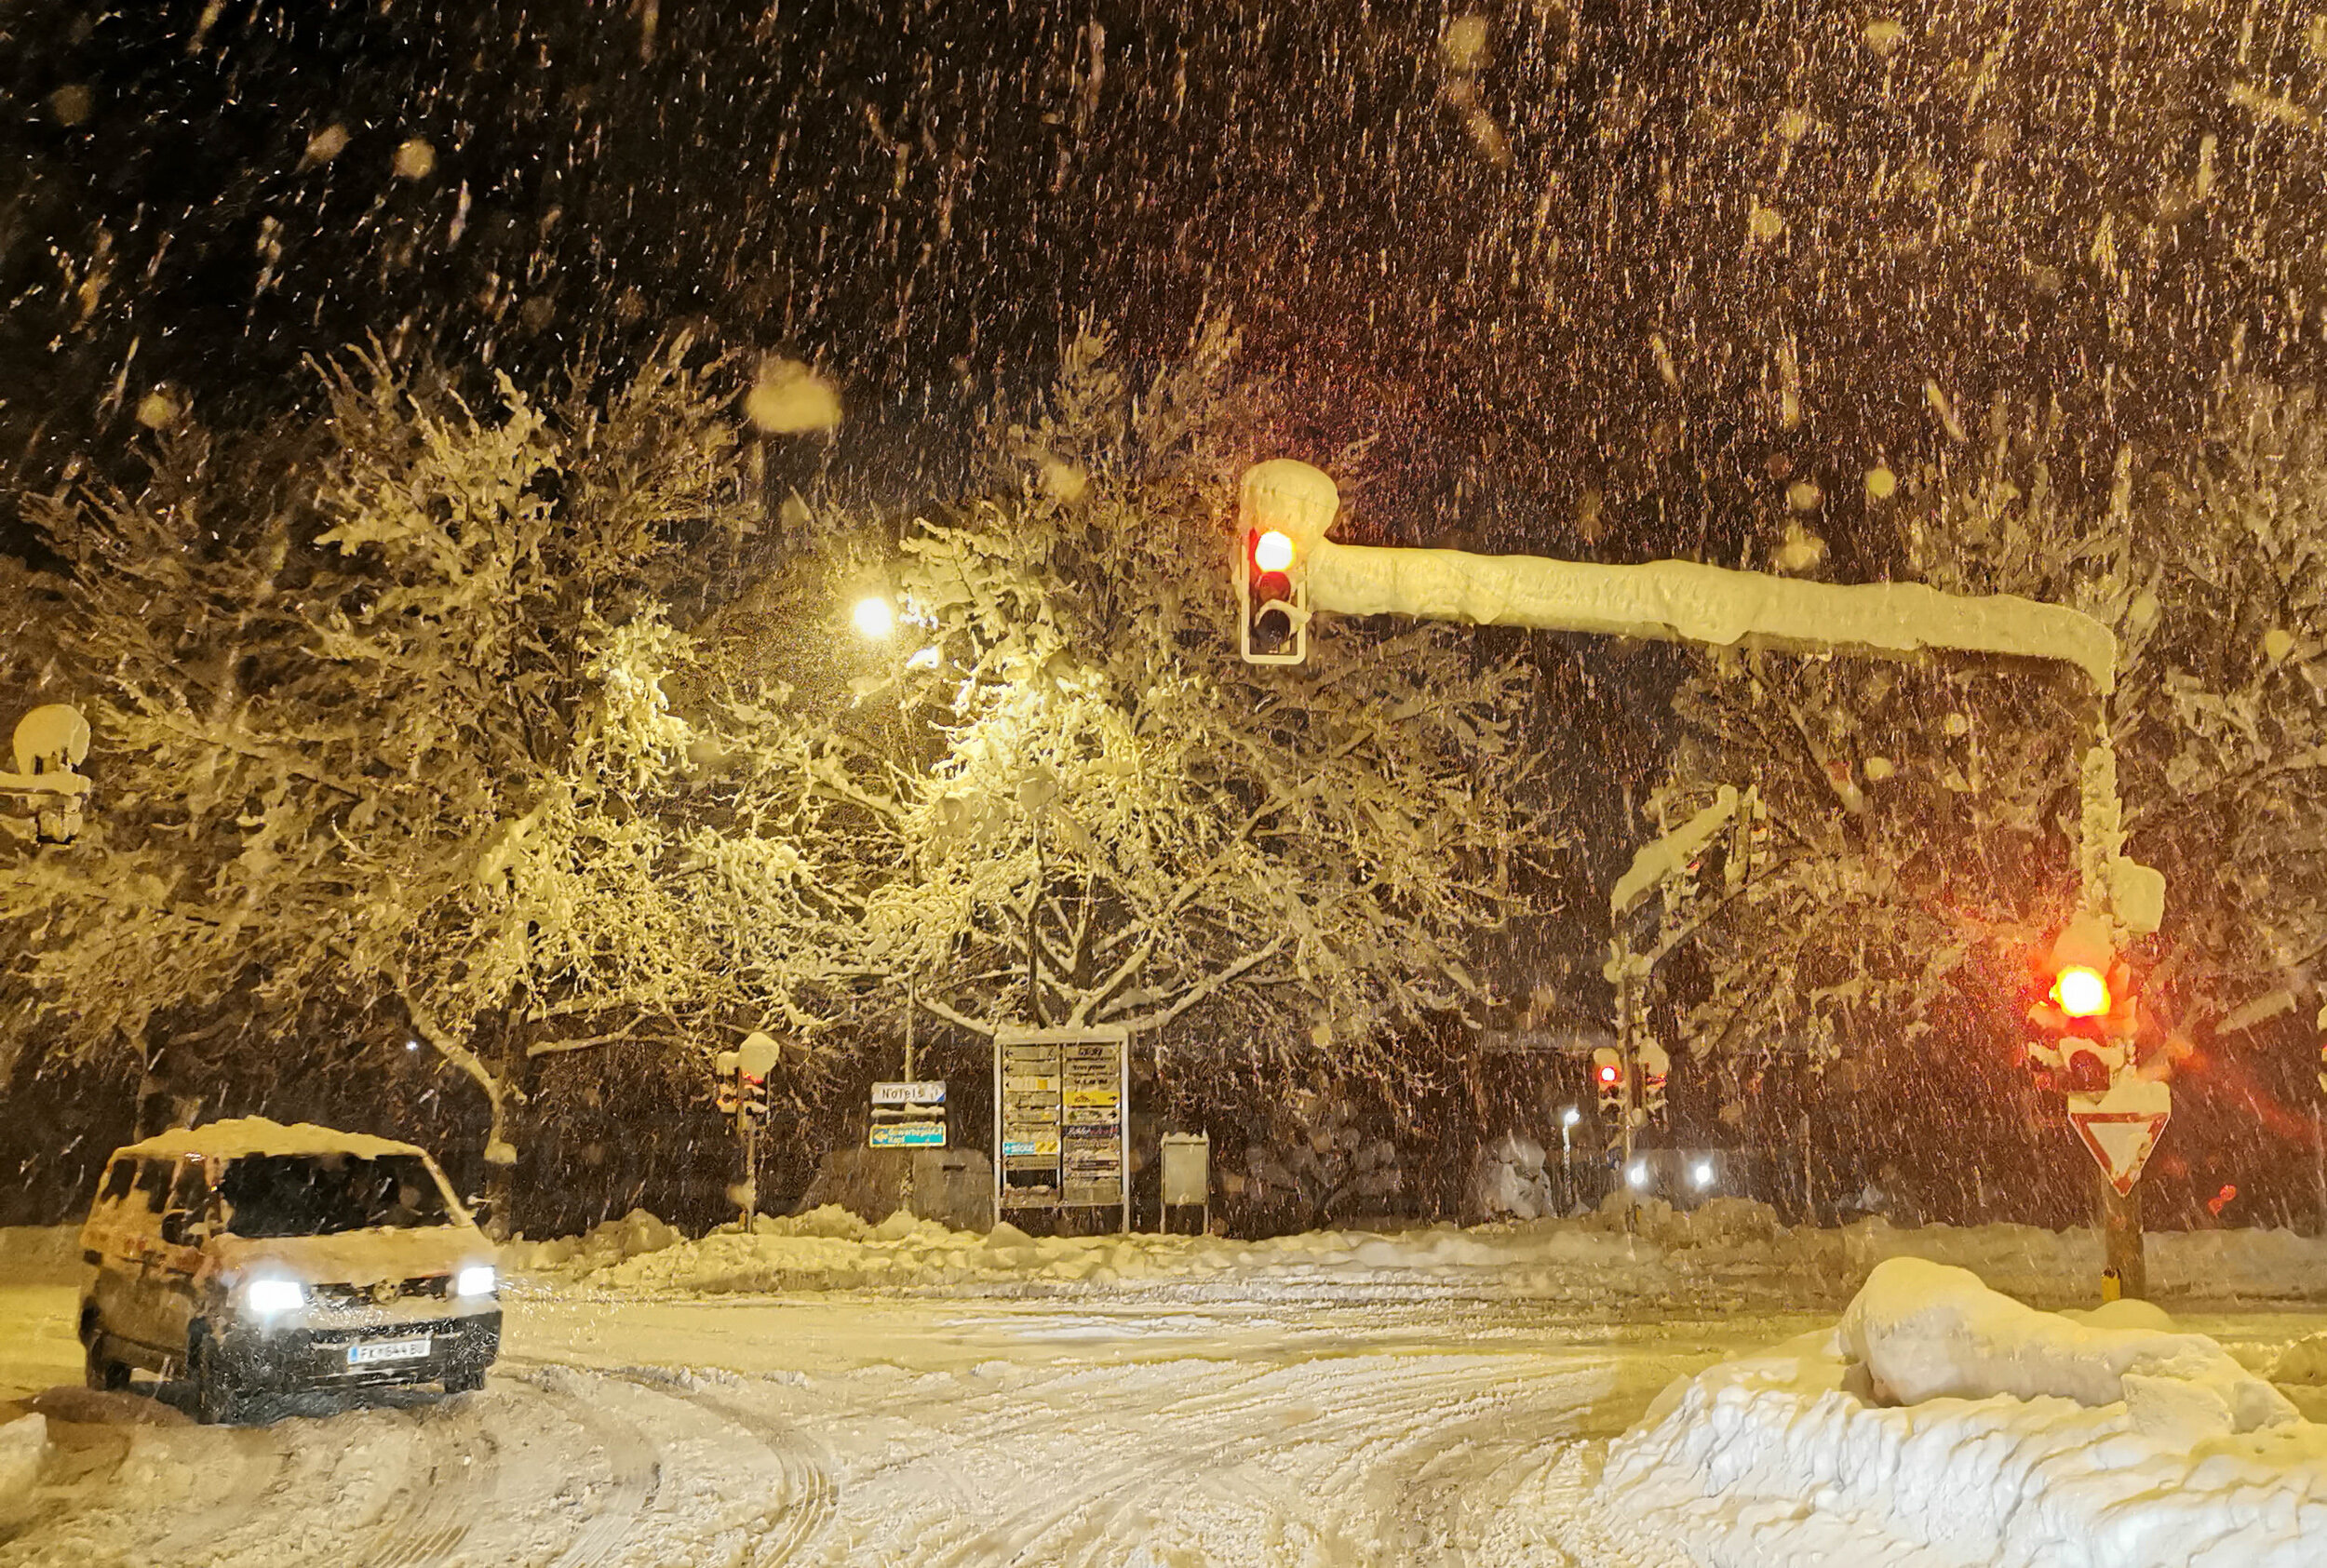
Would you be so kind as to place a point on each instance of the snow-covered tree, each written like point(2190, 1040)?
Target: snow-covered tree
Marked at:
point(1925, 817)
point(1276, 866)
point(381, 714)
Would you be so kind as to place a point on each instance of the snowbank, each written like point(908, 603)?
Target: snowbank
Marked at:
point(1942, 1423)
point(636, 1233)
point(1727, 1252)
point(256, 1134)
point(830, 1248)
point(40, 1254)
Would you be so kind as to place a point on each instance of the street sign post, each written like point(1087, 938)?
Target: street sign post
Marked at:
point(908, 1115)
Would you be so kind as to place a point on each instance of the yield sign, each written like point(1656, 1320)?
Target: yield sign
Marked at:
point(2121, 1127)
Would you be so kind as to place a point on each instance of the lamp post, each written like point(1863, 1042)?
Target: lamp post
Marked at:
point(1568, 1116)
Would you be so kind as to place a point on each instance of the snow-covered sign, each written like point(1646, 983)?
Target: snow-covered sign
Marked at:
point(2121, 1126)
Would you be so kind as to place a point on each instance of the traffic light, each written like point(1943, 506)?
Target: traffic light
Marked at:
point(755, 1096)
point(723, 1084)
point(1607, 1078)
point(2084, 1005)
point(1273, 589)
point(1654, 1066)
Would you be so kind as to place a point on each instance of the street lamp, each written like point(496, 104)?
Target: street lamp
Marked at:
point(874, 617)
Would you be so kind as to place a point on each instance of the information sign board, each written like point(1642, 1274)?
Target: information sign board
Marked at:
point(1059, 1114)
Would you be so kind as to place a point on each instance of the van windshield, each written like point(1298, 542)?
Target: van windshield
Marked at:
point(324, 1194)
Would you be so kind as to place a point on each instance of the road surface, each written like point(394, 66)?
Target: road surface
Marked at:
point(817, 1429)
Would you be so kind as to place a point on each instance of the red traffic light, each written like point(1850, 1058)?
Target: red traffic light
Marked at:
point(1273, 601)
point(1609, 1073)
point(2082, 992)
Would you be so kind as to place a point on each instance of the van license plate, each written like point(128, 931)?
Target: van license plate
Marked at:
point(387, 1350)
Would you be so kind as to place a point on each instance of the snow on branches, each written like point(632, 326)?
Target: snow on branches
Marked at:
point(1926, 816)
point(1060, 747)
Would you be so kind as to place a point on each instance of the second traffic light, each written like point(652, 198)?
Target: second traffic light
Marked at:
point(1607, 1078)
point(1273, 591)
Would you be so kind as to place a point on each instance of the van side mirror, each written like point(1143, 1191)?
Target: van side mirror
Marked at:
point(183, 1227)
point(481, 1209)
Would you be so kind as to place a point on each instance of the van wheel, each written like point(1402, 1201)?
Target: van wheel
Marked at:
point(106, 1374)
point(216, 1399)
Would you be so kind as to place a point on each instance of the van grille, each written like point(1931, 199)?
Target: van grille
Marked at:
point(431, 1287)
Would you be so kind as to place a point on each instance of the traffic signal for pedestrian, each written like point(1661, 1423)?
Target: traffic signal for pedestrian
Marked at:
point(1607, 1078)
point(1273, 591)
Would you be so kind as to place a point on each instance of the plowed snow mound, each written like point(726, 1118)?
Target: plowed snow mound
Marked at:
point(1941, 1423)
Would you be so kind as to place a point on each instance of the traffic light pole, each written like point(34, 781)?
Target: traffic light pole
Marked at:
point(1686, 601)
point(1632, 1082)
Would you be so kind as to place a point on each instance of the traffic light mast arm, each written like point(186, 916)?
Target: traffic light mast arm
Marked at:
point(1685, 601)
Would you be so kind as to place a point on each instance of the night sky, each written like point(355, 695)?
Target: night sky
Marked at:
point(1604, 277)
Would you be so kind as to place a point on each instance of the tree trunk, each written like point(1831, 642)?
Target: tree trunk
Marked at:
point(501, 1149)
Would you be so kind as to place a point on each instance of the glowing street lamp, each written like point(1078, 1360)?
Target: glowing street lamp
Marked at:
point(874, 618)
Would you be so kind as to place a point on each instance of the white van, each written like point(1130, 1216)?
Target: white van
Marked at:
point(254, 1257)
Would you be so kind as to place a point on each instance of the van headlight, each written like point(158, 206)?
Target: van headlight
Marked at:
point(476, 1280)
point(269, 1297)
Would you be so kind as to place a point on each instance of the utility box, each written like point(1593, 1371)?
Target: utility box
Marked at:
point(1188, 1179)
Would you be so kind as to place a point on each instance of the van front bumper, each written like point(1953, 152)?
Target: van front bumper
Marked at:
point(292, 1357)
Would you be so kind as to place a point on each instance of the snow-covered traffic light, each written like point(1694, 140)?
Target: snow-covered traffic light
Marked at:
point(1274, 597)
point(1283, 509)
point(2085, 1005)
point(1654, 1066)
point(2085, 988)
point(1607, 1079)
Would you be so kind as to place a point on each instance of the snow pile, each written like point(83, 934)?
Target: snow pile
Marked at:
point(1508, 1180)
point(829, 1249)
point(256, 1134)
point(636, 1233)
point(40, 1254)
point(1942, 1422)
point(1724, 1252)
point(22, 1442)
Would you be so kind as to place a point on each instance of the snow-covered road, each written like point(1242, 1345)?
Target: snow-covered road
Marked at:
point(820, 1428)
point(817, 1429)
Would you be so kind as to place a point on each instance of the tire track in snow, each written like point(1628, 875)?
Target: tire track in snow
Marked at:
point(437, 1516)
point(811, 1498)
point(1181, 1443)
point(263, 1463)
point(634, 1464)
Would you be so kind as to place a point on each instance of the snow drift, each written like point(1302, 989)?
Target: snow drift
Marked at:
point(1729, 1251)
point(1942, 1423)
